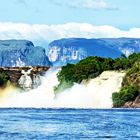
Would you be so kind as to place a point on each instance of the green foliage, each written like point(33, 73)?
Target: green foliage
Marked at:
point(91, 67)
point(129, 92)
point(135, 57)
point(121, 63)
point(126, 94)
point(108, 64)
point(3, 78)
point(67, 73)
point(132, 70)
point(132, 75)
point(62, 86)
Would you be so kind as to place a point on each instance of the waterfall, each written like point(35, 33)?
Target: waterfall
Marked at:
point(95, 93)
point(26, 82)
point(36, 81)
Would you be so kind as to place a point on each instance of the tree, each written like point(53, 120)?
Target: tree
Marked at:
point(108, 64)
point(126, 94)
point(3, 78)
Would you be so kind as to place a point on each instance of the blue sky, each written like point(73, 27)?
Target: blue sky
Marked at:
point(43, 21)
point(123, 14)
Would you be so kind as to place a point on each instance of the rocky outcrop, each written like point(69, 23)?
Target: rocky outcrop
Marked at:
point(19, 53)
point(15, 73)
point(132, 78)
point(134, 104)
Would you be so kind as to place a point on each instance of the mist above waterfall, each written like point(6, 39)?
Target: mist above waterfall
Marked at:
point(96, 93)
point(41, 96)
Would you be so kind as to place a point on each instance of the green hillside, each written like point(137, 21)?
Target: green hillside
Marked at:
point(91, 67)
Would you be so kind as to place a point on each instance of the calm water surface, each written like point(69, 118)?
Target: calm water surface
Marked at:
point(65, 124)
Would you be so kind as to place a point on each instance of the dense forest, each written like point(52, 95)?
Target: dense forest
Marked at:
point(91, 67)
point(130, 91)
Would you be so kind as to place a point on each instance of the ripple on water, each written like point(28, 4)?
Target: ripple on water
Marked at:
point(23, 124)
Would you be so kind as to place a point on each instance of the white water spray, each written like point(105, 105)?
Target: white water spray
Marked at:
point(97, 93)
point(25, 80)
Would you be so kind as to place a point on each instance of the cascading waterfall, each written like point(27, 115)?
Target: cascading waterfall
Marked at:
point(28, 83)
point(36, 81)
point(25, 80)
point(96, 93)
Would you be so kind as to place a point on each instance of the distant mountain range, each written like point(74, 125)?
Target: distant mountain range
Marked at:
point(60, 52)
point(72, 50)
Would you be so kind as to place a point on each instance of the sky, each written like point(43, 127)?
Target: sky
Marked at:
point(46, 20)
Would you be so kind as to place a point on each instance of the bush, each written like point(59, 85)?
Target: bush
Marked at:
point(66, 73)
point(107, 64)
point(126, 94)
point(89, 67)
point(3, 78)
point(121, 63)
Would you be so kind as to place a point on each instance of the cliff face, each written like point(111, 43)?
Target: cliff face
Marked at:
point(19, 53)
point(72, 50)
point(126, 45)
point(133, 78)
point(61, 52)
point(134, 104)
point(15, 73)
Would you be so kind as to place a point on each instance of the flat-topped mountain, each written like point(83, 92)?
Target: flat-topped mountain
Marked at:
point(72, 50)
point(19, 53)
point(126, 45)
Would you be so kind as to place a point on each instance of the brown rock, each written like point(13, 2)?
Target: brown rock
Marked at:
point(15, 72)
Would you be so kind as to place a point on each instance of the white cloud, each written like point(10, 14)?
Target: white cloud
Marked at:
point(88, 4)
point(48, 33)
point(94, 4)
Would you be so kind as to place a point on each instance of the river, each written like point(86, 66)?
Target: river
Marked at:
point(73, 124)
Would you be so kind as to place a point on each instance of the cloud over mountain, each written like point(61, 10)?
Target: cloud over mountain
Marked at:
point(39, 32)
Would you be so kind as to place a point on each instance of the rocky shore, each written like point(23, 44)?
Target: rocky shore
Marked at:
point(134, 104)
